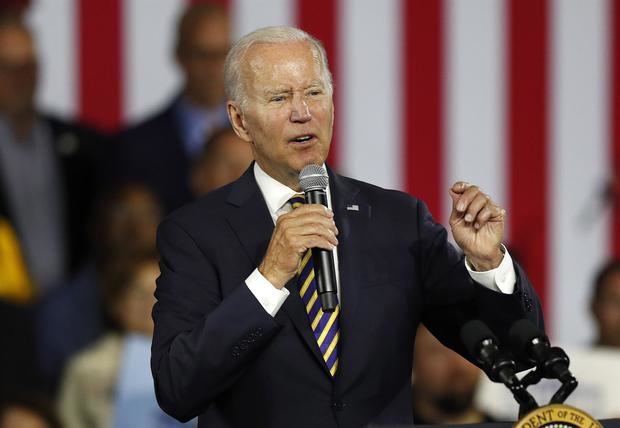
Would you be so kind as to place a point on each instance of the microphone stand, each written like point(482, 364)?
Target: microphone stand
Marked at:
point(569, 382)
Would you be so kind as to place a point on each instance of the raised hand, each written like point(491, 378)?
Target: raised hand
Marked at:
point(477, 225)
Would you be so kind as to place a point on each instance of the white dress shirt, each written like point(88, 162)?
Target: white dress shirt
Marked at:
point(501, 279)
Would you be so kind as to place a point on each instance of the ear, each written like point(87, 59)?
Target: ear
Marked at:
point(235, 115)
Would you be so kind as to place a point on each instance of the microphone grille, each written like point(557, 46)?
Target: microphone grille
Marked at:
point(313, 177)
point(473, 333)
point(522, 333)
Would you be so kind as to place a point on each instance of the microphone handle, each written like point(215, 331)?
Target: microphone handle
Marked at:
point(324, 270)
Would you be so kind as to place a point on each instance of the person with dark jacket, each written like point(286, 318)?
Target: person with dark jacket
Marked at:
point(241, 338)
point(160, 150)
point(48, 167)
point(48, 180)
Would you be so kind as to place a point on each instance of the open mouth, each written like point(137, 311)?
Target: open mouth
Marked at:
point(302, 139)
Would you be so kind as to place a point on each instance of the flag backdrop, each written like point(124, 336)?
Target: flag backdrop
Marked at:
point(519, 96)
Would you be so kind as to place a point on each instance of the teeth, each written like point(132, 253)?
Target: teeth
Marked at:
point(304, 138)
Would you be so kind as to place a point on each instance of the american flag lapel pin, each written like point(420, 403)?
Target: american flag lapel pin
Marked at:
point(353, 207)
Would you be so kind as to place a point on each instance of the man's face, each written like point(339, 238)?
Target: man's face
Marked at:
point(18, 71)
point(230, 157)
point(606, 310)
point(202, 60)
point(131, 223)
point(135, 306)
point(289, 112)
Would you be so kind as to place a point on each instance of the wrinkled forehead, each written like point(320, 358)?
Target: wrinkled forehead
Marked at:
point(264, 61)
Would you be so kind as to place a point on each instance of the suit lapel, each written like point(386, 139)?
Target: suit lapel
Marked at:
point(251, 222)
point(253, 226)
point(352, 215)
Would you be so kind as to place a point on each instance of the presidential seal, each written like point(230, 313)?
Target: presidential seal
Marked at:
point(558, 416)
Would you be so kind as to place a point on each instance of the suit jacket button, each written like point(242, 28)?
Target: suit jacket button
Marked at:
point(338, 405)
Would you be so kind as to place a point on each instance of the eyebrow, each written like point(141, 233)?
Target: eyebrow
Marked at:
point(277, 91)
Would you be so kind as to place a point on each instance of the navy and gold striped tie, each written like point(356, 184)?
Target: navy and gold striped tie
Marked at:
point(324, 325)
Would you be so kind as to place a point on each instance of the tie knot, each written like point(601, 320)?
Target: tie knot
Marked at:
point(297, 200)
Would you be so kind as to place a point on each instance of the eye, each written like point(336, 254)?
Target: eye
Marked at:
point(315, 92)
point(277, 99)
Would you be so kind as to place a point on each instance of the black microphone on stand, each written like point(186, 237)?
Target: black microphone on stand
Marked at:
point(530, 344)
point(482, 344)
point(313, 180)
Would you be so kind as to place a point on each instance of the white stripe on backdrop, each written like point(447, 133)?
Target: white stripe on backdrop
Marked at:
point(371, 96)
point(151, 77)
point(579, 158)
point(55, 27)
point(475, 97)
point(371, 100)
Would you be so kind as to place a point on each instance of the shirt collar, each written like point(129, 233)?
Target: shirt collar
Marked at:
point(275, 193)
point(192, 112)
point(196, 123)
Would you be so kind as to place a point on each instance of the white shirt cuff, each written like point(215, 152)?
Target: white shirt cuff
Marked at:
point(270, 298)
point(503, 278)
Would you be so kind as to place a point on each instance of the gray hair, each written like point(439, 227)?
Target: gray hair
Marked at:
point(235, 89)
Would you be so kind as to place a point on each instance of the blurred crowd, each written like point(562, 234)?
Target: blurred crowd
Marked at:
point(79, 211)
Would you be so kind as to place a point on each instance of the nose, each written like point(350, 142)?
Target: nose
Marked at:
point(300, 112)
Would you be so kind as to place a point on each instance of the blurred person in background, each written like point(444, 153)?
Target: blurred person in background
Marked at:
point(160, 150)
point(48, 167)
point(47, 182)
point(72, 316)
point(444, 384)
point(224, 159)
point(17, 353)
point(16, 8)
point(26, 410)
point(605, 305)
point(88, 387)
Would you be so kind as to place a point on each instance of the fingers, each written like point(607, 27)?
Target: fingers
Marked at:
point(459, 187)
point(479, 202)
point(309, 226)
point(463, 196)
point(472, 205)
point(301, 244)
point(309, 220)
point(312, 230)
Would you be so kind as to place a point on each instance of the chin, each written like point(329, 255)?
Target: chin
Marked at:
point(315, 159)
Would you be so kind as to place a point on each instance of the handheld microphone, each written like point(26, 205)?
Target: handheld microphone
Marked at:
point(313, 180)
point(481, 343)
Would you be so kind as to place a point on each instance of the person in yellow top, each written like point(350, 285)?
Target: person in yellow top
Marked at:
point(15, 283)
point(18, 367)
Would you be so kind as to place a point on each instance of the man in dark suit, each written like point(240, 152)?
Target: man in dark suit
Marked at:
point(172, 138)
point(48, 179)
point(48, 167)
point(240, 338)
